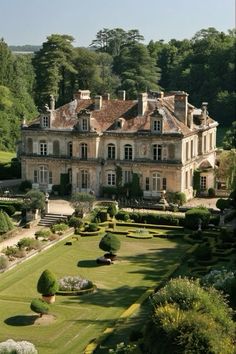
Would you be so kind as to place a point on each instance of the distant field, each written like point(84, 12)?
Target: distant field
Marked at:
point(6, 156)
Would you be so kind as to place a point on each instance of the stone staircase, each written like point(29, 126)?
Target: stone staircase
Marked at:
point(50, 219)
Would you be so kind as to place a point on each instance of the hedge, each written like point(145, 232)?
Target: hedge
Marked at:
point(156, 219)
point(193, 216)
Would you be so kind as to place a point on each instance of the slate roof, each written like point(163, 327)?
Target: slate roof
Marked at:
point(105, 119)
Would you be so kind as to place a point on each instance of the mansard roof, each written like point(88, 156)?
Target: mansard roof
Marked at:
point(105, 119)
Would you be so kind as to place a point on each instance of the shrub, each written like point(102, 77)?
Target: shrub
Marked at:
point(91, 227)
point(43, 233)
point(223, 204)
point(3, 262)
point(211, 192)
point(12, 347)
point(47, 283)
point(203, 252)
point(193, 216)
point(5, 223)
point(109, 243)
point(231, 215)
point(24, 242)
point(75, 222)
point(59, 228)
point(112, 210)
point(25, 186)
point(74, 283)
point(122, 215)
point(39, 306)
point(102, 215)
point(179, 198)
point(8, 208)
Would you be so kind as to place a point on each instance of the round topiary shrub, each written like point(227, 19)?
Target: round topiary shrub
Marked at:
point(75, 222)
point(211, 192)
point(180, 198)
point(196, 216)
point(39, 306)
point(223, 204)
point(110, 243)
point(47, 284)
point(112, 210)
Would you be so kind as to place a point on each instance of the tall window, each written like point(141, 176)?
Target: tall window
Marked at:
point(187, 151)
point(70, 149)
point(157, 125)
point(128, 152)
point(156, 182)
point(84, 179)
point(43, 149)
point(127, 176)
point(147, 184)
point(85, 124)
point(56, 148)
point(211, 145)
point(35, 176)
point(164, 184)
point(29, 145)
point(84, 151)
point(203, 182)
point(111, 179)
point(43, 175)
point(192, 149)
point(204, 143)
point(157, 152)
point(45, 121)
point(111, 151)
point(186, 180)
point(50, 177)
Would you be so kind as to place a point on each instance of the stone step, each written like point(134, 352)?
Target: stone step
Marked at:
point(50, 219)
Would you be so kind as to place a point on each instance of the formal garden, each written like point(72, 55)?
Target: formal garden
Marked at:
point(100, 282)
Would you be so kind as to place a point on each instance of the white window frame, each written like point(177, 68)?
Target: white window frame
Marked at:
point(128, 152)
point(127, 176)
point(45, 121)
point(111, 151)
point(43, 148)
point(111, 179)
point(84, 179)
point(157, 125)
point(43, 175)
point(84, 151)
point(156, 182)
point(157, 152)
point(84, 124)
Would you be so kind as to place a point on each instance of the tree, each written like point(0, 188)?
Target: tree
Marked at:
point(110, 243)
point(39, 306)
point(34, 199)
point(47, 284)
point(229, 141)
point(3, 223)
point(82, 202)
point(227, 168)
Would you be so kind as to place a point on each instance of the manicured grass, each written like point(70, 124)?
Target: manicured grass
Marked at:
point(6, 156)
point(141, 264)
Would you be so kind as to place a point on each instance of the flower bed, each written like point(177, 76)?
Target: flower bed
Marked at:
point(74, 285)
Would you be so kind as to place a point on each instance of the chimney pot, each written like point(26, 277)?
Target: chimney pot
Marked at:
point(142, 103)
point(98, 102)
point(181, 106)
point(122, 95)
point(82, 95)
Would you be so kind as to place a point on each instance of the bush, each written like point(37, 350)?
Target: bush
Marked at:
point(91, 227)
point(203, 253)
point(12, 347)
point(109, 243)
point(180, 198)
point(25, 186)
point(223, 204)
point(43, 233)
point(39, 306)
point(75, 222)
point(59, 228)
point(231, 215)
point(47, 283)
point(5, 223)
point(74, 283)
point(3, 262)
point(112, 210)
point(122, 215)
point(9, 209)
point(193, 216)
point(211, 192)
point(24, 242)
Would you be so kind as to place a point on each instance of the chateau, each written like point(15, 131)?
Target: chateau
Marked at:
point(161, 137)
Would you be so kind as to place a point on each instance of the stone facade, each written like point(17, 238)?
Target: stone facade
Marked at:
point(161, 137)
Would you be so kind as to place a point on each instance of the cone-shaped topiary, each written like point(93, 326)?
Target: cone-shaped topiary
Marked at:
point(47, 283)
point(39, 306)
point(110, 243)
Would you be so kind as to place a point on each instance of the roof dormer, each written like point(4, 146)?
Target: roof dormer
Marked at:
point(156, 121)
point(84, 117)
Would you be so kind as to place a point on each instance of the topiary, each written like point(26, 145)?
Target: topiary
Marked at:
point(25, 186)
point(180, 198)
point(195, 215)
point(39, 306)
point(223, 204)
point(112, 210)
point(110, 243)
point(75, 222)
point(47, 283)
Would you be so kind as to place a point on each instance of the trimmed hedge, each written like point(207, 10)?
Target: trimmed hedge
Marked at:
point(156, 219)
point(193, 216)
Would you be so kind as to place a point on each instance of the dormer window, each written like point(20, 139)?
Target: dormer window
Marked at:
point(157, 125)
point(84, 124)
point(45, 122)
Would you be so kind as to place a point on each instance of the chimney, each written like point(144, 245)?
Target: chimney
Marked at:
point(82, 95)
point(160, 94)
point(121, 95)
point(106, 96)
point(204, 113)
point(52, 103)
point(142, 103)
point(181, 106)
point(98, 102)
point(190, 117)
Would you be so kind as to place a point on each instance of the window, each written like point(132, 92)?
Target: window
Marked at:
point(205, 144)
point(35, 176)
point(84, 179)
point(45, 121)
point(84, 151)
point(50, 177)
point(203, 183)
point(147, 184)
point(56, 148)
point(128, 152)
point(157, 152)
point(43, 149)
point(43, 175)
point(157, 125)
point(164, 184)
point(111, 151)
point(127, 176)
point(186, 180)
point(111, 179)
point(187, 152)
point(29, 145)
point(156, 182)
point(192, 154)
point(70, 149)
point(85, 124)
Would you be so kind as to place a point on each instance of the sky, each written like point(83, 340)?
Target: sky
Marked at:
point(31, 21)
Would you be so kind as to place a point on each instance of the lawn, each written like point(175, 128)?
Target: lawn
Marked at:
point(5, 156)
point(141, 264)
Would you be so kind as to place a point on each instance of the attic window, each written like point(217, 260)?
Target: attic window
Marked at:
point(157, 125)
point(84, 124)
point(45, 122)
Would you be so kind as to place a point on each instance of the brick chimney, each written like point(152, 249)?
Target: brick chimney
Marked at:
point(122, 95)
point(142, 103)
point(98, 102)
point(82, 95)
point(181, 106)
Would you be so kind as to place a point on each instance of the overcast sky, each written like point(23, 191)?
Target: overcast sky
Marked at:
point(31, 21)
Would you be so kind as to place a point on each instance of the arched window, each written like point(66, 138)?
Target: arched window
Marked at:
point(29, 145)
point(128, 152)
point(43, 175)
point(43, 148)
point(111, 151)
point(56, 147)
point(70, 149)
point(157, 152)
point(156, 182)
point(84, 151)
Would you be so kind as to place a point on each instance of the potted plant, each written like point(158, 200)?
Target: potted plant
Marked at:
point(47, 286)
